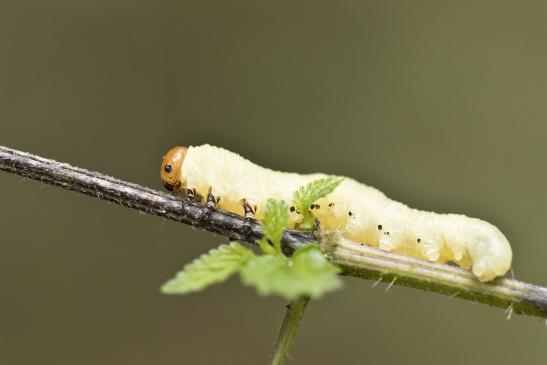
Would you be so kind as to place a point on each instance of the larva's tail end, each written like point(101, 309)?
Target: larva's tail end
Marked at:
point(490, 252)
point(171, 167)
point(487, 274)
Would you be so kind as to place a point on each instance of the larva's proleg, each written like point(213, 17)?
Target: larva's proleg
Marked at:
point(360, 212)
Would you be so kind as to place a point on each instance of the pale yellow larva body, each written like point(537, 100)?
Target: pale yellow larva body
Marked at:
point(361, 213)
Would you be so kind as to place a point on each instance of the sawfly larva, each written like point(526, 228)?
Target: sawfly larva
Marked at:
point(362, 213)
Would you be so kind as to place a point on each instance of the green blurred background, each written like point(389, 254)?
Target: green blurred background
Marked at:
point(442, 105)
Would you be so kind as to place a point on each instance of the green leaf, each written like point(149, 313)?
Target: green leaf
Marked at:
point(208, 269)
point(308, 272)
point(316, 273)
point(267, 249)
point(274, 221)
point(310, 193)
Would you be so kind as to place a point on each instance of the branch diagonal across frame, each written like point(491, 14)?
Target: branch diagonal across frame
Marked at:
point(356, 260)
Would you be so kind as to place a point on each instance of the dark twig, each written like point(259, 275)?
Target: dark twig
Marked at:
point(356, 260)
point(137, 197)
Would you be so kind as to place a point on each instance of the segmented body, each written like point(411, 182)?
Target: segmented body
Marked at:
point(360, 212)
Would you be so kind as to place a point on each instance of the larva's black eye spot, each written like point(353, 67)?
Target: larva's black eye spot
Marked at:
point(168, 168)
point(331, 204)
point(419, 240)
point(317, 206)
point(292, 209)
point(350, 213)
point(379, 227)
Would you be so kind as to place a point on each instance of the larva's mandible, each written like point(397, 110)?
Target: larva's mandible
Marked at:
point(360, 212)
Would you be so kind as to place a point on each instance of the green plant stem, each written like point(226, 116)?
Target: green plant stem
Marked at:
point(289, 327)
point(371, 263)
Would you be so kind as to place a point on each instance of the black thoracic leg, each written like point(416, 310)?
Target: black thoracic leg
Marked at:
point(249, 211)
point(209, 206)
point(212, 201)
point(249, 215)
point(191, 195)
point(316, 231)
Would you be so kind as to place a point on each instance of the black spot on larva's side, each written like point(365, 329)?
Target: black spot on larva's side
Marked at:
point(292, 209)
point(312, 206)
point(379, 227)
point(331, 204)
point(350, 213)
point(419, 240)
point(387, 233)
point(317, 206)
point(362, 244)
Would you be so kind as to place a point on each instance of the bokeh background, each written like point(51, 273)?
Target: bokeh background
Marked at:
point(442, 105)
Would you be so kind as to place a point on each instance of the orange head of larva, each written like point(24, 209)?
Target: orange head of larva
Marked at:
point(171, 168)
